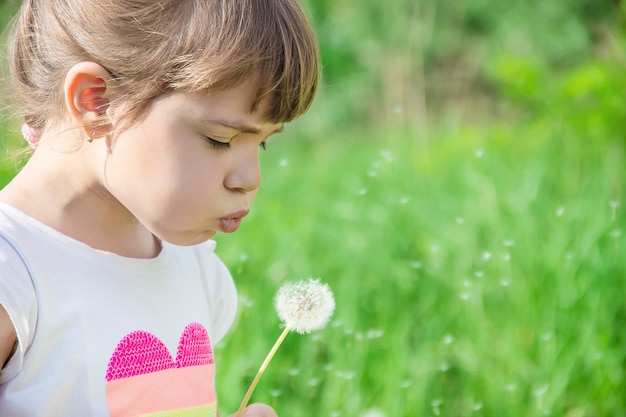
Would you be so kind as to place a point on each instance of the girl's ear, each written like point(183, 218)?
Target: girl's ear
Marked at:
point(85, 97)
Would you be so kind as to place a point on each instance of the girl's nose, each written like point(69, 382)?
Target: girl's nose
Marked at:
point(245, 175)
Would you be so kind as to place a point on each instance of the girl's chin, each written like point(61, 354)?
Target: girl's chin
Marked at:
point(187, 239)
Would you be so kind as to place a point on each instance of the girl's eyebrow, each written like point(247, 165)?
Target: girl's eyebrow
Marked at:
point(242, 126)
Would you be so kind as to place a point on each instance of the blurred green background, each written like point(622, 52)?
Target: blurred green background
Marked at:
point(459, 183)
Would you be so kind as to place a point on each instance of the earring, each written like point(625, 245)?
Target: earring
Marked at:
point(90, 138)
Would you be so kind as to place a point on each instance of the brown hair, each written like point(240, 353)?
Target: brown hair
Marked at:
point(154, 47)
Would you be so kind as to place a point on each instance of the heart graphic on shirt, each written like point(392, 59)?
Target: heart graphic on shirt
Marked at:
point(143, 379)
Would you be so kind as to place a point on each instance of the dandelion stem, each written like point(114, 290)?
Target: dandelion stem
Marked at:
point(259, 374)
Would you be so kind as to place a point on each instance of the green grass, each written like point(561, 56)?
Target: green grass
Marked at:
point(478, 273)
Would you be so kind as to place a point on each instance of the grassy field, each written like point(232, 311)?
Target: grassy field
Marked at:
point(477, 273)
point(480, 271)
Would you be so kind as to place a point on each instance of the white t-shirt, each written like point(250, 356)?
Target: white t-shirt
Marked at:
point(104, 335)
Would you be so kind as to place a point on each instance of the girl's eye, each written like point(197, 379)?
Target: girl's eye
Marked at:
point(216, 144)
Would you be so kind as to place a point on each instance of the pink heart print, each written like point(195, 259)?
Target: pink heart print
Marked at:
point(144, 380)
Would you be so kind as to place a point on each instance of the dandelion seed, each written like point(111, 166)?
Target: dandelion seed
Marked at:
point(371, 173)
point(464, 296)
point(404, 200)
point(444, 367)
point(358, 336)
point(375, 333)
point(540, 391)
point(243, 257)
point(597, 356)
point(459, 220)
point(293, 372)
point(448, 339)
point(506, 257)
point(313, 382)
point(303, 307)
point(614, 204)
point(559, 212)
point(479, 153)
point(283, 162)
point(436, 402)
point(374, 412)
point(477, 406)
point(387, 156)
point(275, 393)
point(329, 367)
point(479, 274)
point(398, 110)
point(467, 284)
point(245, 301)
point(486, 256)
point(335, 413)
point(415, 264)
point(508, 242)
point(345, 375)
point(615, 233)
point(505, 282)
point(546, 337)
point(511, 387)
point(406, 384)
point(362, 191)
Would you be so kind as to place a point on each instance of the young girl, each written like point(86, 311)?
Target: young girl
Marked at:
point(146, 118)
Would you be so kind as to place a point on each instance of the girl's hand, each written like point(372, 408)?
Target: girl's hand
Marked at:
point(258, 410)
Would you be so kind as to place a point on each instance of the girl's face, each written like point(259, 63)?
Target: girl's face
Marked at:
point(191, 167)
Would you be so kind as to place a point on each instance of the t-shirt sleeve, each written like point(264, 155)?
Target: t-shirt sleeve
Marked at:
point(18, 297)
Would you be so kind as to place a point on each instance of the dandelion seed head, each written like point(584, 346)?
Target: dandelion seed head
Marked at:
point(305, 306)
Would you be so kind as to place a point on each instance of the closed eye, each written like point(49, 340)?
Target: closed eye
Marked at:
point(216, 144)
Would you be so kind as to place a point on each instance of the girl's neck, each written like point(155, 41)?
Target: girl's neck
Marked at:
point(60, 190)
